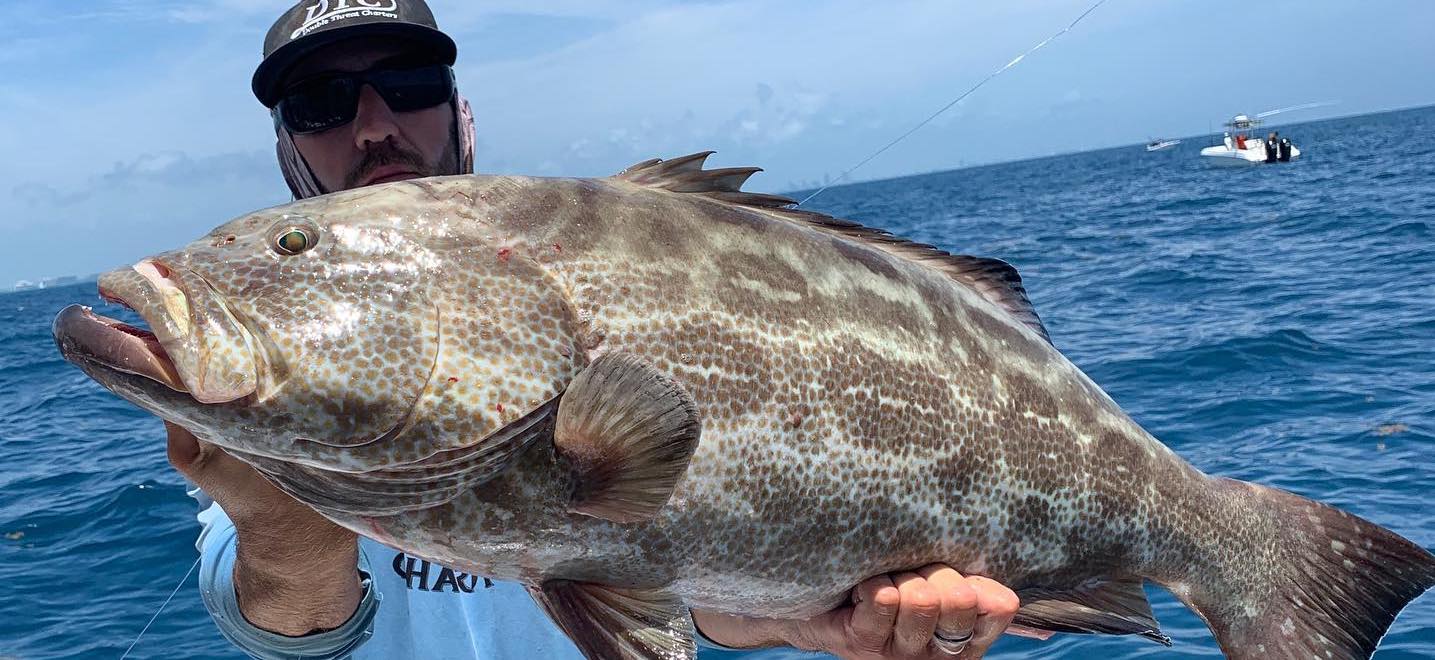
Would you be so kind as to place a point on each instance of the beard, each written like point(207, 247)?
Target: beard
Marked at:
point(389, 152)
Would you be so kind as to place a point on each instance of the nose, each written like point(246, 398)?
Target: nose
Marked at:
point(374, 121)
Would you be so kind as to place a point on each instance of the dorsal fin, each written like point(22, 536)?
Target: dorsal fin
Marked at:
point(994, 279)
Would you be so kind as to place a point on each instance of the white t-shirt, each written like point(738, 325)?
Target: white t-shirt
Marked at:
point(411, 609)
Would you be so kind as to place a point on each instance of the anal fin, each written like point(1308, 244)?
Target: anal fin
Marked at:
point(627, 432)
point(1100, 606)
point(612, 623)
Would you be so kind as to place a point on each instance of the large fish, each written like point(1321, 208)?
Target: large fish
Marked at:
point(651, 392)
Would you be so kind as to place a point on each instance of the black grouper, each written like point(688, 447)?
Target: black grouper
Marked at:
point(651, 392)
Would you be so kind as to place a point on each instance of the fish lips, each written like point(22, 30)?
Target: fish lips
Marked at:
point(95, 341)
point(195, 344)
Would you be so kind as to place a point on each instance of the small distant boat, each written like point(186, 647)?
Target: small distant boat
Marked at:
point(1158, 145)
point(24, 285)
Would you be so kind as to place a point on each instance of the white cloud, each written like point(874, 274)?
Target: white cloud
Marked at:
point(733, 75)
point(137, 207)
point(586, 87)
point(459, 15)
point(224, 10)
point(453, 15)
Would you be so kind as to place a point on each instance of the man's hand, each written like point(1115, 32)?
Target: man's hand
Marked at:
point(295, 572)
point(892, 616)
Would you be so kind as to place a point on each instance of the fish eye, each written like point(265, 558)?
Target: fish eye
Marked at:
point(293, 240)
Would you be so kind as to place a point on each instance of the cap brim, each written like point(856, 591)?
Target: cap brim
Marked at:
point(269, 76)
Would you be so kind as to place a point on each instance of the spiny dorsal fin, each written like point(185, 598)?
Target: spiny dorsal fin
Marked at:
point(996, 280)
point(686, 174)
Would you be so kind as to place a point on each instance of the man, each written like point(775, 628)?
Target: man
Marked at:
point(362, 93)
point(1272, 147)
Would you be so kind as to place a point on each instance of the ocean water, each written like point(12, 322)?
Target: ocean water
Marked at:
point(1274, 324)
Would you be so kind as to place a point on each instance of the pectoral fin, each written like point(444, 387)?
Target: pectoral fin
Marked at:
point(627, 431)
point(610, 623)
point(1103, 606)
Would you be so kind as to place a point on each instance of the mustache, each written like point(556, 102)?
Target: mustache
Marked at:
point(381, 154)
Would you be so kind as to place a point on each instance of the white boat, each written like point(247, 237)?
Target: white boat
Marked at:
point(24, 285)
point(1241, 148)
point(1158, 145)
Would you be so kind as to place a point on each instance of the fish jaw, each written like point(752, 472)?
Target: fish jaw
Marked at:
point(107, 344)
point(194, 353)
point(130, 362)
point(207, 345)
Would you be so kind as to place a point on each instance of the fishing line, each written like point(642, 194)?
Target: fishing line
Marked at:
point(955, 101)
point(161, 608)
point(1303, 106)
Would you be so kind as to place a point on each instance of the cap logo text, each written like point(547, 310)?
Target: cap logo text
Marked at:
point(324, 12)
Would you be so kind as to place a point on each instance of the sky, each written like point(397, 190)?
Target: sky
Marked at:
point(128, 127)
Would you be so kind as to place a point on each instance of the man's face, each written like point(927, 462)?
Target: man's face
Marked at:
point(379, 145)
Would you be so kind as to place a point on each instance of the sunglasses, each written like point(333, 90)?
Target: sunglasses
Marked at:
point(330, 101)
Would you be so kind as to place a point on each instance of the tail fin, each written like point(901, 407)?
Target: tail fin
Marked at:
point(1320, 583)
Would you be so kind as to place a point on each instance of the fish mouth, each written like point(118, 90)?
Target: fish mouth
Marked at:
point(84, 336)
point(194, 345)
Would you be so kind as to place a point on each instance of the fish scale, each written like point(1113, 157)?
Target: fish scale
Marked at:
point(806, 403)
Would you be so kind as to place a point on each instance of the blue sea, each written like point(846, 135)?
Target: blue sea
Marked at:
point(1274, 324)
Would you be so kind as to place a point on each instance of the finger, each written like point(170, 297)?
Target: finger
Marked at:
point(996, 607)
point(188, 454)
point(213, 470)
point(827, 632)
point(195, 458)
point(959, 600)
point(916, 617)
point(182, 447)
point(876, 602)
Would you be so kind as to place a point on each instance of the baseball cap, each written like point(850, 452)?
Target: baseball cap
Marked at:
point(313, 24)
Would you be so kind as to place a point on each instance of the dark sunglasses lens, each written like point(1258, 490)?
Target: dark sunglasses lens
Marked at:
point(319, 105)
point(406, 90)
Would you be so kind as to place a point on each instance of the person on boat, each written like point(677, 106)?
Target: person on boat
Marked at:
point(1272, 148)
point(1227, 140)
point(1285, 150)
point(1241, 141)
point(361, 96)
